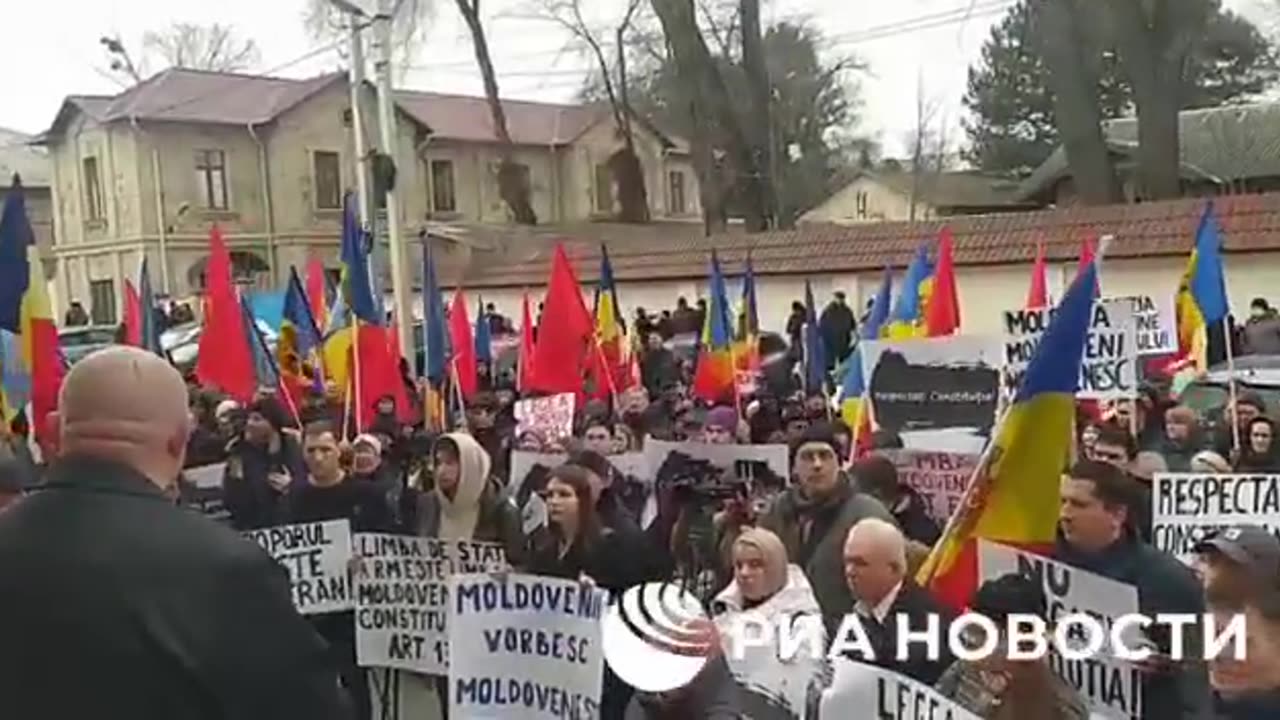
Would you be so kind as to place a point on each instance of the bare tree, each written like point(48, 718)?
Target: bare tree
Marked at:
point(513, 180)
point(1154, 39)
point(624, 164)
point(758, 125)
point(214, 47)
point(717, 132)
point(1061, 30)
point(929, 145)
point(409, 23)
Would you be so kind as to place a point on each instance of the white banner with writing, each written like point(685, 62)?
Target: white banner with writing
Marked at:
point(402, 594)
point(317, 556)
point(1111, 686)
point(1186, 507)
point(1110, 364)
point(884, 695)
point(524, 647)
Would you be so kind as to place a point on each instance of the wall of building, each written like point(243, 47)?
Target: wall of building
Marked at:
point(882, 203)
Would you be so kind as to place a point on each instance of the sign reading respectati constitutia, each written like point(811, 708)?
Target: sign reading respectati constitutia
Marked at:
point(1187, 507)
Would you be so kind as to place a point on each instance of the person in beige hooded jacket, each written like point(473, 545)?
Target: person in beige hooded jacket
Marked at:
point(465, 504)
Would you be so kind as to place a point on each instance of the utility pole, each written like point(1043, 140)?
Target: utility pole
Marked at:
point(356, 46)
point(386, 125)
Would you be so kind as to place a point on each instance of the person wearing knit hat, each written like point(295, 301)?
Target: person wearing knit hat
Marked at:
point(815, 513)
point(721, 426)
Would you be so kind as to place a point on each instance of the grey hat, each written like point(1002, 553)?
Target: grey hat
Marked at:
point(1253, 547)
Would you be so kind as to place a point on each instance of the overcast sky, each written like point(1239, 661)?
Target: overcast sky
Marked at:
point(51, 49)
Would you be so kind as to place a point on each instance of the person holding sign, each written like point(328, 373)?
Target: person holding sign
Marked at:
point(115, 603)
point(999, 688)
point(330, 493)
point(1095, 534)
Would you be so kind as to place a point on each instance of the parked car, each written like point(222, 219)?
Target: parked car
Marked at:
point(182, 343)
point(78, 342)
point(1259, 374)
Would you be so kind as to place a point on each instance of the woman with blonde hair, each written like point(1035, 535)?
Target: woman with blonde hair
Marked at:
point(770, 590)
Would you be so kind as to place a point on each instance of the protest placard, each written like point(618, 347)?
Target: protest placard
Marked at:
point(529, 472)
point(884, 695)
point(936, 393)
point(548, 418)
point(524, 647)
point(317, 556)
point(402, 597)
point(1187, 507)
point(742, 462)
point(1110, 365)
point(939, 477)
point(1155, 324)
point(1111, 686)
point(203, 493)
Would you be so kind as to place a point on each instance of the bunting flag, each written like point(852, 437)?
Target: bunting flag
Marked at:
point(1016, 496)
point(1087, 252)
point(815, 352)
point(464, 348)
point(906, 321)
point(483, 339)
point(149, 334)
point(525, 360)
point(565, 333)
point(225, 359)
point(1202, 294)
point(298, 345)
point(713, 377)
point(746, 345)
point(318, 291)
point(132, 315)
point(15, 381)
point(610, 337)
point(356, 290)
point(25, 311)
point(1038, 293)
point(853, 386)
point(942, 313)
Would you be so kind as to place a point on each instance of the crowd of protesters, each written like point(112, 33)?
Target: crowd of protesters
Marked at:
point(843, 535)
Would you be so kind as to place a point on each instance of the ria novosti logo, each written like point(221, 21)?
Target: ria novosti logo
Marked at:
point(656, 637)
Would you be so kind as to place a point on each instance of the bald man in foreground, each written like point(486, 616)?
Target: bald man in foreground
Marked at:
point(115, 603)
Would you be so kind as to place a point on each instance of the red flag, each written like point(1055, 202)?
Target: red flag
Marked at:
point(1087, 252)
point(132, 315)
point(464, 345)
point(405, 409)
point(317, 295)
point(378, 375)
point(942, 316)
point(1038, 295)
point(525, 370)
point(224, 361)
point(564, 336)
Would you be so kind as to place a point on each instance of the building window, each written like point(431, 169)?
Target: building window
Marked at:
point(443, 197)
point(604, 189)
point(860, 202)
point(211, 178)
point(327, 169)
point(94, 207)
point(675, 189)
point(102, 301)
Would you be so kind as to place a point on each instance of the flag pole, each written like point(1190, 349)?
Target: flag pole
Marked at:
point(355, 366)
point(1232, 390)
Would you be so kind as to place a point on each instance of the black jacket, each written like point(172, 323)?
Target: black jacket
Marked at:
point(1164, 585)
point(916, 605)
point(155, 611)
point(249, 497)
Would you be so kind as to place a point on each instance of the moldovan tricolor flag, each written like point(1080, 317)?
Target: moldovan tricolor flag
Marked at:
point(26, 312)
point(1016, 499)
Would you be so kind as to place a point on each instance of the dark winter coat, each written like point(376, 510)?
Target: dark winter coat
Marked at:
point(155, 611)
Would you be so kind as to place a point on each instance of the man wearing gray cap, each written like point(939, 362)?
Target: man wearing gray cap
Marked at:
point(1240, 568)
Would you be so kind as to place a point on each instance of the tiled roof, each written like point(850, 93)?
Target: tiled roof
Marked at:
point(519, 257)
point(1220, 144)
point(467, 118)
point(955, 189)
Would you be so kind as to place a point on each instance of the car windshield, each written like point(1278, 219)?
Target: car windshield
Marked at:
point(1209, 398)
point(87, 336)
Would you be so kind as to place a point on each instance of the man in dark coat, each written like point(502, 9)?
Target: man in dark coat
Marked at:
point(837, 323)
point(1096, 534)
point(155, 611)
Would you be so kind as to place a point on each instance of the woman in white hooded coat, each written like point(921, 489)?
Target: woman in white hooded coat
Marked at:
point(770, 590)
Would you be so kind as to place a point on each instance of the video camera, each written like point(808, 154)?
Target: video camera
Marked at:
point(697, 482)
